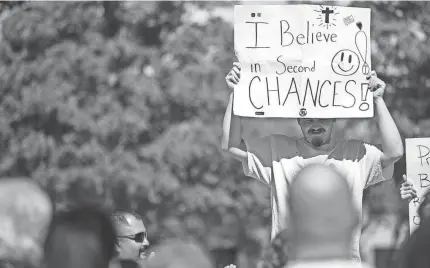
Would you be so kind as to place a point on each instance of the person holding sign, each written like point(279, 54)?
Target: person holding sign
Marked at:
point(276, 159)
point(409, 193)
point(416, 181)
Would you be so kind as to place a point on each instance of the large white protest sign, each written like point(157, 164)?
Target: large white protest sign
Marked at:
point(302, 61)
point(418, 171)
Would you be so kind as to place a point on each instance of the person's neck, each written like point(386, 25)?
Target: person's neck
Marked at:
point(310, 150)
point(323, 251)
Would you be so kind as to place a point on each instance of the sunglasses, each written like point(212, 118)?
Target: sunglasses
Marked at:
point(139, 237)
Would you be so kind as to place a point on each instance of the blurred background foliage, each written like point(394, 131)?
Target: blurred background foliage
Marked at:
point(121, 104)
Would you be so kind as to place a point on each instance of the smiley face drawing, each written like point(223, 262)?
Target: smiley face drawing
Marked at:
point(345, 62)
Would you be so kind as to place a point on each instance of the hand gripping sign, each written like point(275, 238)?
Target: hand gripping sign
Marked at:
point(302, 61)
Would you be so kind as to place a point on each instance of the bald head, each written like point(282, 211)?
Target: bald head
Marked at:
point(126, 222)
point(321, 205)
point(132, 237)
point(25, 214)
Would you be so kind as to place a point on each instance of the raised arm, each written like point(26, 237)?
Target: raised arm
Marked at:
point(231, 128)
point(256, 164)
point(392, 144)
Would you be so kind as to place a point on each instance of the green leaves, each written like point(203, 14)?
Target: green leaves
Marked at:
point(121, 104)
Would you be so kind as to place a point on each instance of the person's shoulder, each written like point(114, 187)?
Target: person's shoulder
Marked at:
point(284, 146)
point(353, 143)
point(353, 150)
point(278, 138)
point(284, 139)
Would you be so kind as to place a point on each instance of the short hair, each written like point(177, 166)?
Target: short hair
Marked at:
point(119, 218)
point(299, 118)
point(81, 237)
point(25, 214)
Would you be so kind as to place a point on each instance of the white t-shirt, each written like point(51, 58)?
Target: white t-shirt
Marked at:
point(327, 264)
point(358, 162)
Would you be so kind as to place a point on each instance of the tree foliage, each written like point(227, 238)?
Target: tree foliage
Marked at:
point(121, 103)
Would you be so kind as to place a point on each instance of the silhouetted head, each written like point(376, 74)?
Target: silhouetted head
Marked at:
point(132, 238)
point(415, 252)
point(316, 132)
point(25, 214)
point(81, 237)
point(323, 215)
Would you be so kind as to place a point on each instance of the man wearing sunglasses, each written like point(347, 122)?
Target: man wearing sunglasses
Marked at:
point(132, 241)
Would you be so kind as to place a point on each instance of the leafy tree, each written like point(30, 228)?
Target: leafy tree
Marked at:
point(121, 103)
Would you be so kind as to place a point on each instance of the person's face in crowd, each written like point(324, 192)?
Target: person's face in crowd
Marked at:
point(316, 131)
point(132, 240)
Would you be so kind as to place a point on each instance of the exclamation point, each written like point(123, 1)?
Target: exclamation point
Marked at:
point(364, 106)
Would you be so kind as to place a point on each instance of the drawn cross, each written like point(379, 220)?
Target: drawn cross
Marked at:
point(327, 13)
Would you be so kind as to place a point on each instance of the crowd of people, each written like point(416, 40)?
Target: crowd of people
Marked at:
point(316, 185)
point(34, 234)
point(323, 218)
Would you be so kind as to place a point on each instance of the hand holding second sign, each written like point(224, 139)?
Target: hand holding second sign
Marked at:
point(233, 76)
point(407, 190)
point(376, 85)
